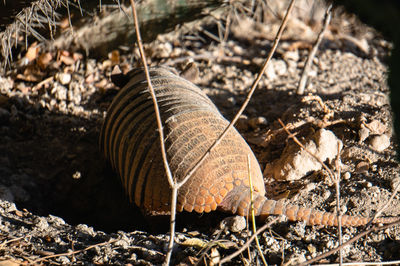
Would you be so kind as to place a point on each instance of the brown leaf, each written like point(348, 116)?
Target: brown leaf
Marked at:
point(114, 57)
point(67, 60)
point(32, 52)
point(44, 60)
point(9, 263)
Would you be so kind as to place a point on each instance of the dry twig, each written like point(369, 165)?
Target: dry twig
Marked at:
point(73, 252)
point(352, 240)
point(174, 186)
point(306, 69)
point(242, 248)
point(336, 180)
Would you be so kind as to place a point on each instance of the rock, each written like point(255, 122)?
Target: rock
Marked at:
point(362, 167)
point(242, 123)
point(377, 127)
point(270, 72)
point(280, 67)
point(256, 122)
point(346, 176)
point(63, 78)
point(41, 224)
point(234, 223)
point(380, 143)
point(363, 134)
point(395, 182)
point(296, 162)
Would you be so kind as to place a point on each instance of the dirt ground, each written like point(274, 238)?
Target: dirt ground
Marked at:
point(60, 203)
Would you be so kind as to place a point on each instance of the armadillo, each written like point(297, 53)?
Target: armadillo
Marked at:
point(129, 139)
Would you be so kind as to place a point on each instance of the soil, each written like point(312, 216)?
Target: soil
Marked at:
point(60, 203)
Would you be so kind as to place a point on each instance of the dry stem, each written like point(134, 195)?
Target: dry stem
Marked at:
point(174, 186)
point(306, 69)
point(352, 240)
point(73, 252)
point(242, 248)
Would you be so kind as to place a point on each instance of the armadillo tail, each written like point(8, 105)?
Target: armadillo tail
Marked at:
point(238, 202)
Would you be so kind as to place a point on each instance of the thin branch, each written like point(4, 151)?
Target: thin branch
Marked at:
point(250, 93)
point(174, 186)
point(352, 240)
point(242, 248)
point(306, 69)
point(73, 252)
point(395, 262)
point(381, 209)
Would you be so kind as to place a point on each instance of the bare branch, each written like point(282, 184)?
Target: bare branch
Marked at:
point(173, 185)
point(352, 240)
point(242, 248)
point(306, 69)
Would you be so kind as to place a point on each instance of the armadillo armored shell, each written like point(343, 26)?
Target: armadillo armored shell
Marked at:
point(129, 139)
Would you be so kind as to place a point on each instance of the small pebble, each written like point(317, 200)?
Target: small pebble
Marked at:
point(346, 176)
point(395, 182)
point(326, 194)
point(41, 223)
point(270, 72)
point(63, 78)
point(242, 123)
point(234, 223)
point(363, 134)
point(256, 122)
point(280, 67)
point(380, 143)
point(362, 167)
point(368, 184)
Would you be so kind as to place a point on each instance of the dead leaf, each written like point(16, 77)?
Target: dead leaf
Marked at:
point(215, 257)
point(9, 263)
point(114, 57)
point(32, 52)
point(195, 242)
point(44, 60)
point(77, 56)
point(31, 74)
point(101, 84)
point(67, 60)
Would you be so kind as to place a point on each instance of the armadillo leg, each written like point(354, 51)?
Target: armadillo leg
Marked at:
point(238, 201)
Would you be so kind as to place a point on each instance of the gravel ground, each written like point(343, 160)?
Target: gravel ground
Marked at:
point(60, 203)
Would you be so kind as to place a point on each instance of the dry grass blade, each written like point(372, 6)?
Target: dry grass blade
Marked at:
point(338, 210)
point(253, 219)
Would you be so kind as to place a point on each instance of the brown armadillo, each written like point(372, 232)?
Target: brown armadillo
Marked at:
point(129, 139)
